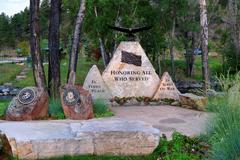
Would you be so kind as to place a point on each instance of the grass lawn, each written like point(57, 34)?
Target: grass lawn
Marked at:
point(3, 106)
point(82, 70)
point(149, 157)
point(83, 67)
point(8, 72)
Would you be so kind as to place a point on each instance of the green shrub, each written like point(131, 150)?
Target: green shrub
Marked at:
point(224, 128)
point(181, 147)
point(101, 109)
point(24, 48)
point(55, 109)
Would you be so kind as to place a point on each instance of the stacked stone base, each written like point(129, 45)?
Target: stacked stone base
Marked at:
point(45, 139)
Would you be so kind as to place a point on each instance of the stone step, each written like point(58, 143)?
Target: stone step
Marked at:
point(22, 73)
point(106, 136)
point(7, 84)
point(20, 77)
point(26, 69)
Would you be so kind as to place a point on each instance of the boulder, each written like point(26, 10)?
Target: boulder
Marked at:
point(14, 92)
point(167, 88)
point(130, 73)
point(107, 136)
point(5, 148)
point(212, 93)
point(189, 100)
point(30, 104)
point(185, 86)
point(76, 102)
point(95, 85)
point(175, 103)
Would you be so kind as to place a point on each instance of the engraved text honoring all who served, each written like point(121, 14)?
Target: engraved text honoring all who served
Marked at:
point(26, 96)
point(71, 96)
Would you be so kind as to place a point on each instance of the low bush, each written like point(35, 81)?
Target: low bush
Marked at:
point(55, 109)
point(101, 109)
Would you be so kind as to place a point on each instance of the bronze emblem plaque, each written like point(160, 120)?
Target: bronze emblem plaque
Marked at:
point(26, 96)
point(130, 58)
point(71, 96)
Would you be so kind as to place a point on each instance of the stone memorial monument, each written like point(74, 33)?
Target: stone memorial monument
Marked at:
point(31, 103)
point(130, 73)
point(167, 88)
point(76, 102)
point(95, 85)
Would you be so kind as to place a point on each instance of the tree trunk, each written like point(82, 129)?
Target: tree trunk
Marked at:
point(101, 45)
point(38, 71)
point(103, 52)
point(187, 58)
point(171, 49)
point(164, 57)
point(159, 65)
point(153, 57)
point(233, 25)
point(75, 44)
point(204, 43)
point(192, 57)
point(54, 54)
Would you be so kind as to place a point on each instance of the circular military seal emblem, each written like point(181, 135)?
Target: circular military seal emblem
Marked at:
point(71, 96)
point(26, 96)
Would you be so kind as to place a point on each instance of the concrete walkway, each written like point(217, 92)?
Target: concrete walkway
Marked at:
point(12, 59)
point(166, 118)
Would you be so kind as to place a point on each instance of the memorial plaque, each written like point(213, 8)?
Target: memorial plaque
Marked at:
point(167, 88)
point(71, 96)
point(130, 73)
point(26, 96)
point(95, 84)
point(130, 58)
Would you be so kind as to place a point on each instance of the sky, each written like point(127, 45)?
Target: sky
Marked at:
point(11, 7)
